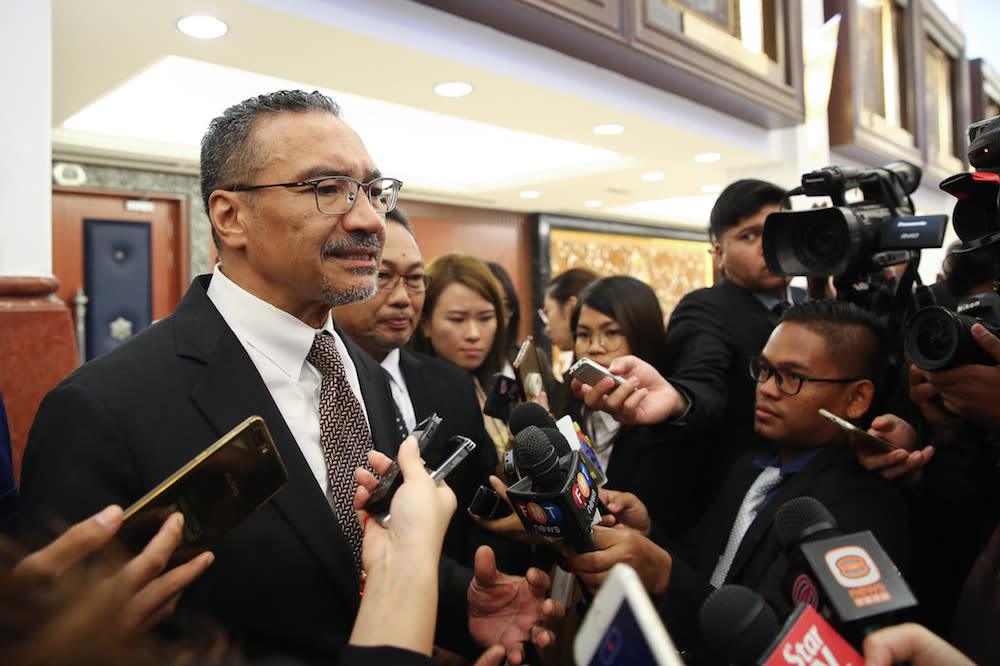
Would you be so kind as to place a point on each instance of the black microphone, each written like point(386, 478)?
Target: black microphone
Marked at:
point(529, 413)
point(854, 577)
point(738, 624)
point(556, 496)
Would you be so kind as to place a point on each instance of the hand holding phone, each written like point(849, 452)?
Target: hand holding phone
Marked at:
point(529, 370)
point(381, 498)
point(215, 490)
point(589, 372)
point(864, 439)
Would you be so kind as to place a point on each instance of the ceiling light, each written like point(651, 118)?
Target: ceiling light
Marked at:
point(530, 194)
point(706, 158)
point(202, 27)
point(593, 203)
point(653, 176)
point(453, 89)
point(609, 129)
point(711, 189)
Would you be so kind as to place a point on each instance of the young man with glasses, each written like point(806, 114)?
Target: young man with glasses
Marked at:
point(824, 354)
point(296, 205)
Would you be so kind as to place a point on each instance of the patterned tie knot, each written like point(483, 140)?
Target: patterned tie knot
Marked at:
point(324, 357)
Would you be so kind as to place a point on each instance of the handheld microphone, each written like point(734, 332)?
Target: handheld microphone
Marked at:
point(557, 496)
point(858, 581)
point(737, 621)
point(529, 413)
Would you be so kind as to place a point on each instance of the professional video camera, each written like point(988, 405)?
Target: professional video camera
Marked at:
point(937, 338)
point(852, 241)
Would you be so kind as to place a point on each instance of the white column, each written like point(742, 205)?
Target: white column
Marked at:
point(25, 122)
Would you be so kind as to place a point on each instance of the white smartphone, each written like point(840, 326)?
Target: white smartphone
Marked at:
point(864, 440)
point(589, 372)
point(622, 626)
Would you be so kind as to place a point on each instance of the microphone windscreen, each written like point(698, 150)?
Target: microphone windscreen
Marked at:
point(558, 441)
point(803, 519)
point(737, 623)
point(529, 413)
point(536, 457)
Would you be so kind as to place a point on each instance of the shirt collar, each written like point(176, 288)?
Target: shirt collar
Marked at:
point(791, 468)
point(391, 366)
point(278, 335)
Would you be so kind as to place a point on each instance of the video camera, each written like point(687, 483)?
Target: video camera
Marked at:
point(851, 240)
point(935, 337)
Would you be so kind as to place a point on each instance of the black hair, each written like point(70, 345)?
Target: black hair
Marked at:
point(569, 283)
point(740, 200)
point(400, 218)
point(857, 341)
point(230, 156)
point(633, 305)
point(510, 295)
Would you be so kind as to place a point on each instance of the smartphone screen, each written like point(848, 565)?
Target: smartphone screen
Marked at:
point(624, 642)
point(215, 490)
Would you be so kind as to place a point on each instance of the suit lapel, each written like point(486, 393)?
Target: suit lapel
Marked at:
point(229, 391)
point(412, 369)
point(796, 485)
point(378, 398)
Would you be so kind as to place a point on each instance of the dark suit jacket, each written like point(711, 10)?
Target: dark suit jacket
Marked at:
point(284, 580)
point(859, 500)
point(711, 335)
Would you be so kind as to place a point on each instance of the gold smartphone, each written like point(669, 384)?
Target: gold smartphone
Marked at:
point(864, 440)
point(215, 490)
point(529, 370)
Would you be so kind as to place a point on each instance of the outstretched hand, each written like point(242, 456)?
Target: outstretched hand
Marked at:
point(509, 610)
point(645, 398)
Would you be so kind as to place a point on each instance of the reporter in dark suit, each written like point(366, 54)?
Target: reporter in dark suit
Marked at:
point(296, 207)
point(824, 354)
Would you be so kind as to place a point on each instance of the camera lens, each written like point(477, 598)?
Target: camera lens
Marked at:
point(932, 338)
point(822, 243)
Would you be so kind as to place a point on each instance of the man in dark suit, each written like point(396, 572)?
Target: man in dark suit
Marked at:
point(713, 332)
point(422, 385)
point(296, 207)
point(823, 354)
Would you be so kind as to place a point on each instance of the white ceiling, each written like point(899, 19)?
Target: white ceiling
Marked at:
point(526, 126)
point(382, 59)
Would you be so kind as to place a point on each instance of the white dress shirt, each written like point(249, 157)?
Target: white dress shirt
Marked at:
point(400, 392)
point(278, 344)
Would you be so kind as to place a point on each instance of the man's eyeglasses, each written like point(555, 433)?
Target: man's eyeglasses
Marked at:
point(788, 382)
point(610, 341)
point(335, 195)
point(415, 283)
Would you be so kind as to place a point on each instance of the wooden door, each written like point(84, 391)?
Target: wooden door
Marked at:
point(166, 216)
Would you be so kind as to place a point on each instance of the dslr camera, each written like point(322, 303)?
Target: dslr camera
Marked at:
point(935, 337)
point(855, 239)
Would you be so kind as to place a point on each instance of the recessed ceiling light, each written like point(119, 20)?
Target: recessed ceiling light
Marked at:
point(707, 157)
point(453, 89)
point(609, 129)
point(202, 27)
point(530, 194)
point(711, 189)
point(593, 203)
point(653, 176)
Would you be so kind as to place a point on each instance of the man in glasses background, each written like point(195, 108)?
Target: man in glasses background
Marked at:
point(823, 354)
point(296, 205)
